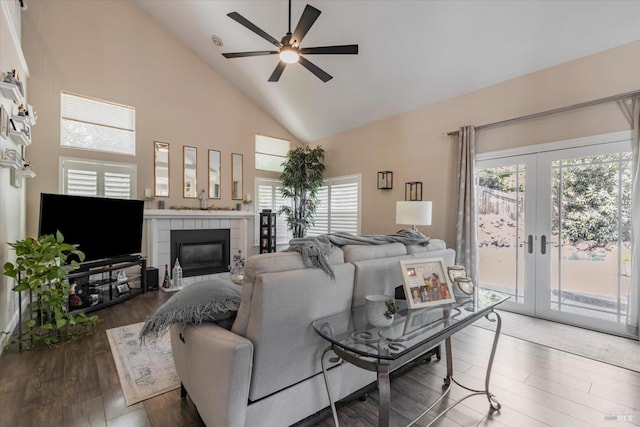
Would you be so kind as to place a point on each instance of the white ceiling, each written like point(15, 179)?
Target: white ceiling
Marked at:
point(412, 53)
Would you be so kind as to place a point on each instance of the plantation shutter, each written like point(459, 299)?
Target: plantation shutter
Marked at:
point(81, 183)
point(270, 197)
point(322, 213)
point(81, 177)
point(339, 207)
point(117, 185)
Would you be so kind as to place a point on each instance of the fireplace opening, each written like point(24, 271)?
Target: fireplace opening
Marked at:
point(201, 252)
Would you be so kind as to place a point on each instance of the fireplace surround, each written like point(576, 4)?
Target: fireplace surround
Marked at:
point(160, 222)
point(201, 252)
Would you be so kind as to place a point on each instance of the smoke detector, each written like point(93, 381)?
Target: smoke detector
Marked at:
point(217, 40)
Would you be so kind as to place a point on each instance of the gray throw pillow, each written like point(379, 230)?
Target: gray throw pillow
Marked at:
point(214, 300)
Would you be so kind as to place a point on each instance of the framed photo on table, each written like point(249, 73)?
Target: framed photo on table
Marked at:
point(426, 283)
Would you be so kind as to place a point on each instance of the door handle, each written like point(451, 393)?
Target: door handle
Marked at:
point(530, 244)
point(543, 244)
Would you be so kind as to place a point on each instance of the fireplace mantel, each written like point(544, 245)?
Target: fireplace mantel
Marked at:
point(160, 222)
point(187, 213)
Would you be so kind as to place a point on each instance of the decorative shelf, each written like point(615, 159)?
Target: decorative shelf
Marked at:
point(11, 91)
point(385, 180)
point(413, 191)
point(19, 137)
point(12, 164)
point(26, 173)
point(28, 120)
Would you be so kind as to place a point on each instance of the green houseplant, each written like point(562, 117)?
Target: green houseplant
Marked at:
point(301, 179)
point(40, 269)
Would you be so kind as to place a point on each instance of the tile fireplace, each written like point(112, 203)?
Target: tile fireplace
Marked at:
point(160, 225)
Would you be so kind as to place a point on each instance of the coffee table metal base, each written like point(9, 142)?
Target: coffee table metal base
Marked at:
point(384, 366)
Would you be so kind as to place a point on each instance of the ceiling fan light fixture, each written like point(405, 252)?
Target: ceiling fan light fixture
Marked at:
point(289, 55)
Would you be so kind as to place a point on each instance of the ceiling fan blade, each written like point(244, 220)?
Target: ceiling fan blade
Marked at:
point(275, 76)
point(307, 19)
point(254, 53)
point(347, 49)
point(322, 75)
point(250, 25)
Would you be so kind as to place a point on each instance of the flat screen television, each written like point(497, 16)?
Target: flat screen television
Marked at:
point(102, 227)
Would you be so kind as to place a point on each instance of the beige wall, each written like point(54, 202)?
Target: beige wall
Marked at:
point(413, 146)
point(113, 50)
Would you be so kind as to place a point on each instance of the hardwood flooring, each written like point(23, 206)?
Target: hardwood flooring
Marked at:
point(77, 385)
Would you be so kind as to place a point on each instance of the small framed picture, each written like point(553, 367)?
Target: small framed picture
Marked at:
point(123, 288)
point(4, 122)
point(426, 283)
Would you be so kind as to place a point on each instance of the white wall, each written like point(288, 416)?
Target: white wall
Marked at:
point(12, 200)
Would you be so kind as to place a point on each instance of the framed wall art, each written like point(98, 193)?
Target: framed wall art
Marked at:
point(426, 282)
point(4, 122)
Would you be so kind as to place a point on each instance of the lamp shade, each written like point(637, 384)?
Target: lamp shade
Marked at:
point(413, 213)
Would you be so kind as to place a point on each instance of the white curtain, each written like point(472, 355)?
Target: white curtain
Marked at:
point(634, 294)
point(467, 224)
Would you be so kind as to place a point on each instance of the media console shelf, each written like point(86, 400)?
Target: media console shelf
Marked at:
point(103, 283)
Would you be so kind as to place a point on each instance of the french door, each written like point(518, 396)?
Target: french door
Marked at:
point(554, 231)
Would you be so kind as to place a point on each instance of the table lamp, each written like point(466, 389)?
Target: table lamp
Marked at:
point(413, 213)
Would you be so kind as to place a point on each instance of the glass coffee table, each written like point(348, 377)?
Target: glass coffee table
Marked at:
point(412, 334)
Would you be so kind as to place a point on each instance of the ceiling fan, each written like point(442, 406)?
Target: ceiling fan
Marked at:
point(289, 48)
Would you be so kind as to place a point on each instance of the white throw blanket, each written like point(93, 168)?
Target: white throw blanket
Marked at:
point(314, 250)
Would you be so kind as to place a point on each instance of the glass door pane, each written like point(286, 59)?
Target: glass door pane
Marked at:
point(590, 231)
point(503, 230)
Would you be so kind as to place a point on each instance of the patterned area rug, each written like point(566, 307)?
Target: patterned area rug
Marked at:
point(145, 370)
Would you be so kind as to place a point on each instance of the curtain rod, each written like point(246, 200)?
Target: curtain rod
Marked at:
point(554, 111)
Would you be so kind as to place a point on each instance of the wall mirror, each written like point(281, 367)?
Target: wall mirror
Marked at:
point(189, 155)
point(214, 174)
point(161, 169)
point(236, 176)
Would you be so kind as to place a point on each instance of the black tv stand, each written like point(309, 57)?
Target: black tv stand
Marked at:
point(107, 261)
point(99, 284)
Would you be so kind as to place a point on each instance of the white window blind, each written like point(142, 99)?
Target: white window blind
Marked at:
point(269, 197)
point(93, 124)
point(271, 153)
point(82, 177)
point(339, 207)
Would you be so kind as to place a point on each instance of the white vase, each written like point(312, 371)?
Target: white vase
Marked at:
point(375, 308)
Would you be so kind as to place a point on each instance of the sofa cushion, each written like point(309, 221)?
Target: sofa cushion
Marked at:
point(283, 305)
point(354, 253)
point(434, 245)
point(275, 262)
point(214, 300)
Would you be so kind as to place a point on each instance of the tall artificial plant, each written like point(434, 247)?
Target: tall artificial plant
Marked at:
point(301, 179)
point(40, 270)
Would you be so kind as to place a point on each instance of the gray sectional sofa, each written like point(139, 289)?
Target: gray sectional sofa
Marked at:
point(266, 370)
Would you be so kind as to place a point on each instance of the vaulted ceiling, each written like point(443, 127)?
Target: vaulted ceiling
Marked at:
point(412, 53)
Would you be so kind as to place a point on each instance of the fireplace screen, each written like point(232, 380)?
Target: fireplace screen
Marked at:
point(201, 252)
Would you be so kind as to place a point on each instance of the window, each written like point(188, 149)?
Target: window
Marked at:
point(269, 197)
point(339, 207)
point(270, 153)
point(82, 177)
point(91, 124)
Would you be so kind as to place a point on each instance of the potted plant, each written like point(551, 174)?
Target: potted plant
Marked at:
point(40, 269)
point(301, 179)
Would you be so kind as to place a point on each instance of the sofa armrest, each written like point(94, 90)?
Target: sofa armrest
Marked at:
point(214, 365)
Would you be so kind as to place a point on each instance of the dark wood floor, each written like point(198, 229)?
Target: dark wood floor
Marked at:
point(77, 385)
